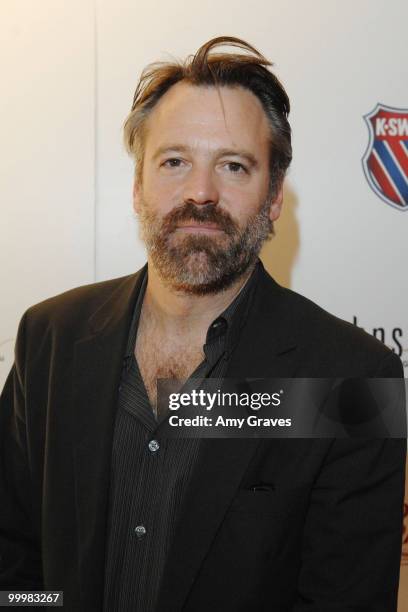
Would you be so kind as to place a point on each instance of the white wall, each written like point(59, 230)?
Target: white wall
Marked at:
point(47, 155)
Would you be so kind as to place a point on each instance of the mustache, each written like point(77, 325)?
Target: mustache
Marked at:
point(204, 213)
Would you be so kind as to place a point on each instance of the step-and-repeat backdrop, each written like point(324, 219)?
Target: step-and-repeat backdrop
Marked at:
point(68, 75)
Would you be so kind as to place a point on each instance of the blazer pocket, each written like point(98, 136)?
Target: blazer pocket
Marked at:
point(265, 503)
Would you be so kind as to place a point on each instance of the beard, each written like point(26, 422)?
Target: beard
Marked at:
point(199, 264)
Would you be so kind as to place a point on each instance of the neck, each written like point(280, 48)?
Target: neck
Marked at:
point(175, 312)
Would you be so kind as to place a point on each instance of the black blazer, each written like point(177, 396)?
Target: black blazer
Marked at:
point(326, 534)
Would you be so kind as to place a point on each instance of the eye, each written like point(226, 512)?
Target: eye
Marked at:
point(173, 162)
point(236, 168)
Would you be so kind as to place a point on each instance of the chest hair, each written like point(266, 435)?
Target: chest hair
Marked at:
point(164, 358)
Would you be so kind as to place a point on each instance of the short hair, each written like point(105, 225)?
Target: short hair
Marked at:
point(206, 68)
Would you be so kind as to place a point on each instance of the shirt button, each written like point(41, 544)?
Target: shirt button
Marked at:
point(154, 445)
point(140, 531)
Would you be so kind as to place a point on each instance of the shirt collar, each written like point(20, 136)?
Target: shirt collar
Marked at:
point(130, 347)
point(229, 322)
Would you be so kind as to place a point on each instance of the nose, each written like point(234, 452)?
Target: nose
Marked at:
point(200, 187)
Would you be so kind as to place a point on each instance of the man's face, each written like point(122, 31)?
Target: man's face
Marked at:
point(203, 197)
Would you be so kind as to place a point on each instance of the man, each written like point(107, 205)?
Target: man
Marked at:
point(94, 501)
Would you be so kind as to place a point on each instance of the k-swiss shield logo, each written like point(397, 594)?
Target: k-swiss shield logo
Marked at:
point(385, 161)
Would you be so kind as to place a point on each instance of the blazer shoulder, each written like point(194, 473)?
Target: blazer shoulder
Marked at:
point(76, 305)
point(333, 338)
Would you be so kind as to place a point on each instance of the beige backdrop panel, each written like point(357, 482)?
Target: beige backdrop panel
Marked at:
point(336, 242)
point(47, 159)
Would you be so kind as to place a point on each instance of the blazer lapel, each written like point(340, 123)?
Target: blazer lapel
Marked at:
point(266, 349)
point(96, 375)
point(216, 477)
point(267, 346)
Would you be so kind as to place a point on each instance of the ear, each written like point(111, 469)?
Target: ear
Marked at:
point(136, 196)
point(276, 205)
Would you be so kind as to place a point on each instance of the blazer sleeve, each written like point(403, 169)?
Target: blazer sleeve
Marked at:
point(20, 557)
point(352, 540)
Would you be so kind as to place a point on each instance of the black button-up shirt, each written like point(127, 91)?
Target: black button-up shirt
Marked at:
point(150, 474)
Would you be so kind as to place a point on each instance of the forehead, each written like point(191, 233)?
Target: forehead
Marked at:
point(208, 116)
